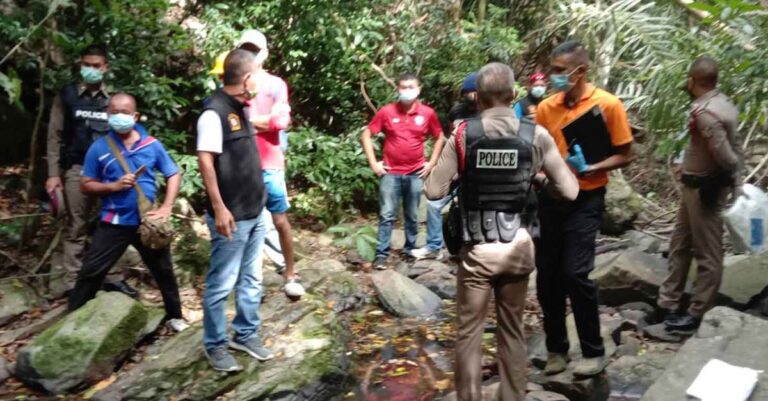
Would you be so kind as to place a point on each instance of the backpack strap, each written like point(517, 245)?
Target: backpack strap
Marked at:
point(527, 130)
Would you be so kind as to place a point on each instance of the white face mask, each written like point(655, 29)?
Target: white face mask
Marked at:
point(538, 91)
point(408, 95)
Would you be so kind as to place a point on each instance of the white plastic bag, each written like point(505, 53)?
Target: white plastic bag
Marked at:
point(720, 381)
point(747, 220)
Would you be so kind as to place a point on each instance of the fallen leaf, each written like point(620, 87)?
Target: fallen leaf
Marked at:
point(444, 384)
point(99, 386)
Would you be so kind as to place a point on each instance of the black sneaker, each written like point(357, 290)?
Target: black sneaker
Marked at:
point(121, 286)
point(380, 263)
point(253, 347)
point(221, 360)
point(684, 322)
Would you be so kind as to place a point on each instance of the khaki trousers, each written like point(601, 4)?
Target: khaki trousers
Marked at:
point(698, 233)
point(501, 270)
point(79, 213)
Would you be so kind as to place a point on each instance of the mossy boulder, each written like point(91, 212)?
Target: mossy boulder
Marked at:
point(622, 205)
point(85, 346)
point(15, 299)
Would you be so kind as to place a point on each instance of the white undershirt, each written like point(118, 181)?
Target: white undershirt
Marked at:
point(210, 136)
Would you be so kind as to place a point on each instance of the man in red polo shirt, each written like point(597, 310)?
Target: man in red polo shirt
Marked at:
point(405, 125)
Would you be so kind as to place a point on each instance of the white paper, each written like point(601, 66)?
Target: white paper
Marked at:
point(720, 381)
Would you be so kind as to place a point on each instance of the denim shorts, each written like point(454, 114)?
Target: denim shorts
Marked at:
point(277, 192)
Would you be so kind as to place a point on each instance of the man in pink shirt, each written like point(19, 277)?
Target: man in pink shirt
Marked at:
point(269, 112)
point(406, 125)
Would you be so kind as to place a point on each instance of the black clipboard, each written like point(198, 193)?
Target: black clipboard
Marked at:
point(590, 132)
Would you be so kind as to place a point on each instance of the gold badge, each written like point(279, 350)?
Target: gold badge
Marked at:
point(234, 122)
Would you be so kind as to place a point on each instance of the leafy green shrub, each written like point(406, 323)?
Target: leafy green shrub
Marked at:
point(333, 173)
point(360, 238)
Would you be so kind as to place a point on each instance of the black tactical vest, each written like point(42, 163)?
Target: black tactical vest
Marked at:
point(85, 119)
point(496, 183)
point(238, 167)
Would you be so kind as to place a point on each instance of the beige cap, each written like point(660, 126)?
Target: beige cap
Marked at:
point(254, 37)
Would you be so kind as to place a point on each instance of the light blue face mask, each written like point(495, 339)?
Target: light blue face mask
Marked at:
point(562, 82)
point(121, 123)
point(91, 75)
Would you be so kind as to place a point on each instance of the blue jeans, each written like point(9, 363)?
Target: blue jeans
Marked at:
point(235, 264)
point(394, 187)
point(435, 223)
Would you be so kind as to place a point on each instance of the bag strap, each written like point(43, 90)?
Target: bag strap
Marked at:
point(144, 204)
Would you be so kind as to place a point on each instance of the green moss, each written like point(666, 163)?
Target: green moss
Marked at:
point(96, 334)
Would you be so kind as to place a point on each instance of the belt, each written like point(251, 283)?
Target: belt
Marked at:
point(694, 181)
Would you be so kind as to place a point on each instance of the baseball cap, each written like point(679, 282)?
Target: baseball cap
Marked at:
point(253, 37)
point(537, 76)
point(470, 83)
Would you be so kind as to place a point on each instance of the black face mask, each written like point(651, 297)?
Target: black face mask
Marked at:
point(469, 102)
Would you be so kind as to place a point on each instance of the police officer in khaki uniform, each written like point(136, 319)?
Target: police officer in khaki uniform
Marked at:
point(709, 170)
point(78, 116)
point(496, 156)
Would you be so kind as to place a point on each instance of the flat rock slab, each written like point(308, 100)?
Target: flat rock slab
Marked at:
point(305, 336)
point(659, 332)
point(726, 334)
point(404, 297)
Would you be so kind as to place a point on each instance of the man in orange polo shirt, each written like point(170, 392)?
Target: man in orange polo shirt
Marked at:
point(566, 251)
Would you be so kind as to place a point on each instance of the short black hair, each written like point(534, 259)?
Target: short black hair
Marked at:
point(572, 48)
point(408, 76)
point(94, 50)
point(238, 63)
point(705, 70)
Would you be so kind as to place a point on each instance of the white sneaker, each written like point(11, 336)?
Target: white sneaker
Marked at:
point(426, 253)
point(293, 288)
point(177, 325)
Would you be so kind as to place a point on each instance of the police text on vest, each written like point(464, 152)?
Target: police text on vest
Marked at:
point(495, 158)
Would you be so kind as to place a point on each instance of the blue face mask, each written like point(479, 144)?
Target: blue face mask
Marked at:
point(562, 82)
point(91, 75)
point(121, 123)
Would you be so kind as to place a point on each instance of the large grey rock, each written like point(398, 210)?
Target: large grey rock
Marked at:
point(403, 296)
point(545, 396)
point(631, 376)
point(16, 298)
point(85, 346)
point(306, 336)
point(441, 282)
point(725, 334)
point(744, 278)
point(622, 205)
point(629, 276)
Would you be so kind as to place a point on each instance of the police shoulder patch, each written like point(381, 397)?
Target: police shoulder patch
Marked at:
point(234, 122)
point(497, 158)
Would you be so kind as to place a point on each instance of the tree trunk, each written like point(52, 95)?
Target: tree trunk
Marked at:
point(482, 5)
